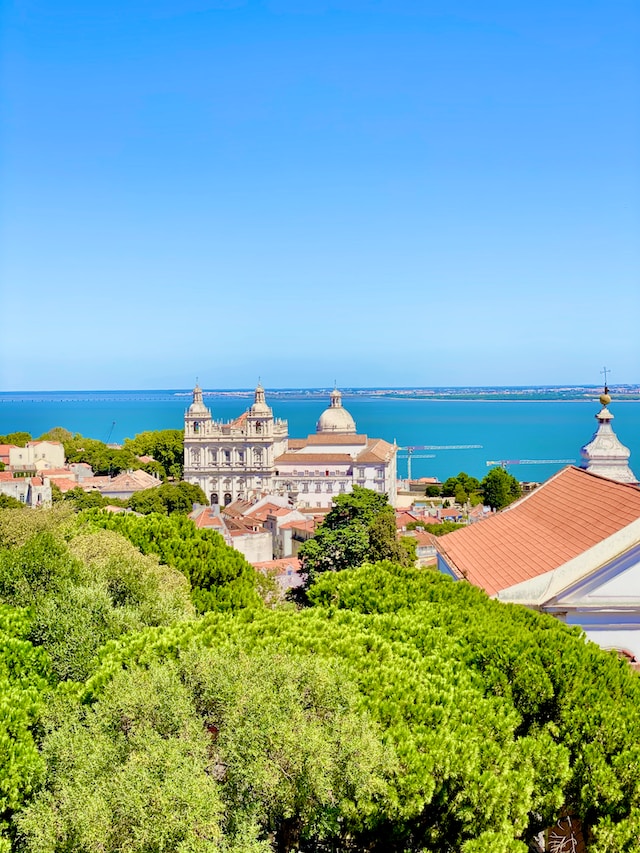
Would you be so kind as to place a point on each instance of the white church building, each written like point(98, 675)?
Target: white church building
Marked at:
point(252, 456)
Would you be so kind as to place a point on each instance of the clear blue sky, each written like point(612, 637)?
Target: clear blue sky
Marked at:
point(382, 192)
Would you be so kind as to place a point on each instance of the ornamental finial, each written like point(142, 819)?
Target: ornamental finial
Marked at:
point(605, 399)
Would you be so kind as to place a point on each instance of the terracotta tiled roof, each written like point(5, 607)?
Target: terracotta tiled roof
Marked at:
point(377, 450)
point(208, 518)
point(52, 473)
point(403, 518)
point(568, 514)
point(239, 421)
point(266, 509)
point(6, 475)
point(237, 508)
point(65, 484)
point(283, 563)
point(308, 525)
point(424, 538)
point(341, 439)
point(295, 443)
point(134, 481)
point(304, 460)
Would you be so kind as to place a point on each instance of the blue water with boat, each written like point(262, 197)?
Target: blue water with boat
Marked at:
point(512, 430)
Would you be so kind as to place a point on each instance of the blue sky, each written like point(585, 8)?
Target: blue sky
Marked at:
point(380, 192)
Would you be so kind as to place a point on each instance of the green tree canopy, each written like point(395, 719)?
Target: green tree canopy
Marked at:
point(497, 718)
point(166, 446)
point(220, 577)
point(168, 498)
point(20, 439)
point(360, 526)
point(462, 483)
point(500, 488)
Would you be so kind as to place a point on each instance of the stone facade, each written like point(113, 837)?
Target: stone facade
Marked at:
point(234, 460)
point(254, 456)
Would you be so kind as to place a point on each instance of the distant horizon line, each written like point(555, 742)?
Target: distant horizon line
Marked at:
point(328, 388)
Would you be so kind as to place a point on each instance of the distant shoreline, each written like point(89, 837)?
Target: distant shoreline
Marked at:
point(502, 394)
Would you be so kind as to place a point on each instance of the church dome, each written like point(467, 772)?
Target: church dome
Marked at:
point(197, 407)
point(336, 418)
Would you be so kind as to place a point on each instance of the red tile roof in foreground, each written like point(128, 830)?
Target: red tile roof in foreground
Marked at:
point(568, 514)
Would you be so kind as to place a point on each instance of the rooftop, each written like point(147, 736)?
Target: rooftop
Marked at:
point(565, 516)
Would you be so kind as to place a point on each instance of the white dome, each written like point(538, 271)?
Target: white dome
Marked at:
point(336, 418)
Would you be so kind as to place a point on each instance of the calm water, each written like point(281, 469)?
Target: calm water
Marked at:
point(506, 430)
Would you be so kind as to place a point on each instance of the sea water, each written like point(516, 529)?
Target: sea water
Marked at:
point(506, 430)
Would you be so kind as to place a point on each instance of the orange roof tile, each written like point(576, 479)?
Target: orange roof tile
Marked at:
point(568, 514)
point(281, 564)
point(208, 518)
point(322, 438)
point(6, 475)
point(307, 525)
point(403, 518)
point(239, 421)
point(304, 460)
point(424, 538)
point(377, 450)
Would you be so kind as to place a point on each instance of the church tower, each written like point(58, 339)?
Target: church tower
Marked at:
point(605, 454)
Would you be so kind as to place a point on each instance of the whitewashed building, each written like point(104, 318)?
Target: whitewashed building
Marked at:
point(253, 456)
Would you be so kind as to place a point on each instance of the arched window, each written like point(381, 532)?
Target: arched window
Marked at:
point(214, 498)
point(258, 427)
point(227, 499)
point(196, 426)
point(257, 456)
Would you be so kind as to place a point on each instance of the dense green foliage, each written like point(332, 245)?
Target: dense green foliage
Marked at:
point(167, 499)
point(7, 502)
point(437, 528)
point(500, 488)
point(462, 488)
point(360, 526)
point(24, 675)
point(497, 717)
point(220, 577)
point(399, 712)
point(166, 446)
point(19, 439)
point(87, 591)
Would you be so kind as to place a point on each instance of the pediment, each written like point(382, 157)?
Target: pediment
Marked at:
point(615, 583)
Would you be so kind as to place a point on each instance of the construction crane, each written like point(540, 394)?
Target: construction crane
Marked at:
point(504, 462)
point(411, 454)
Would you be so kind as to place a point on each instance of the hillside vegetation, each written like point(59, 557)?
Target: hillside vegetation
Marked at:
point(152, 702)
